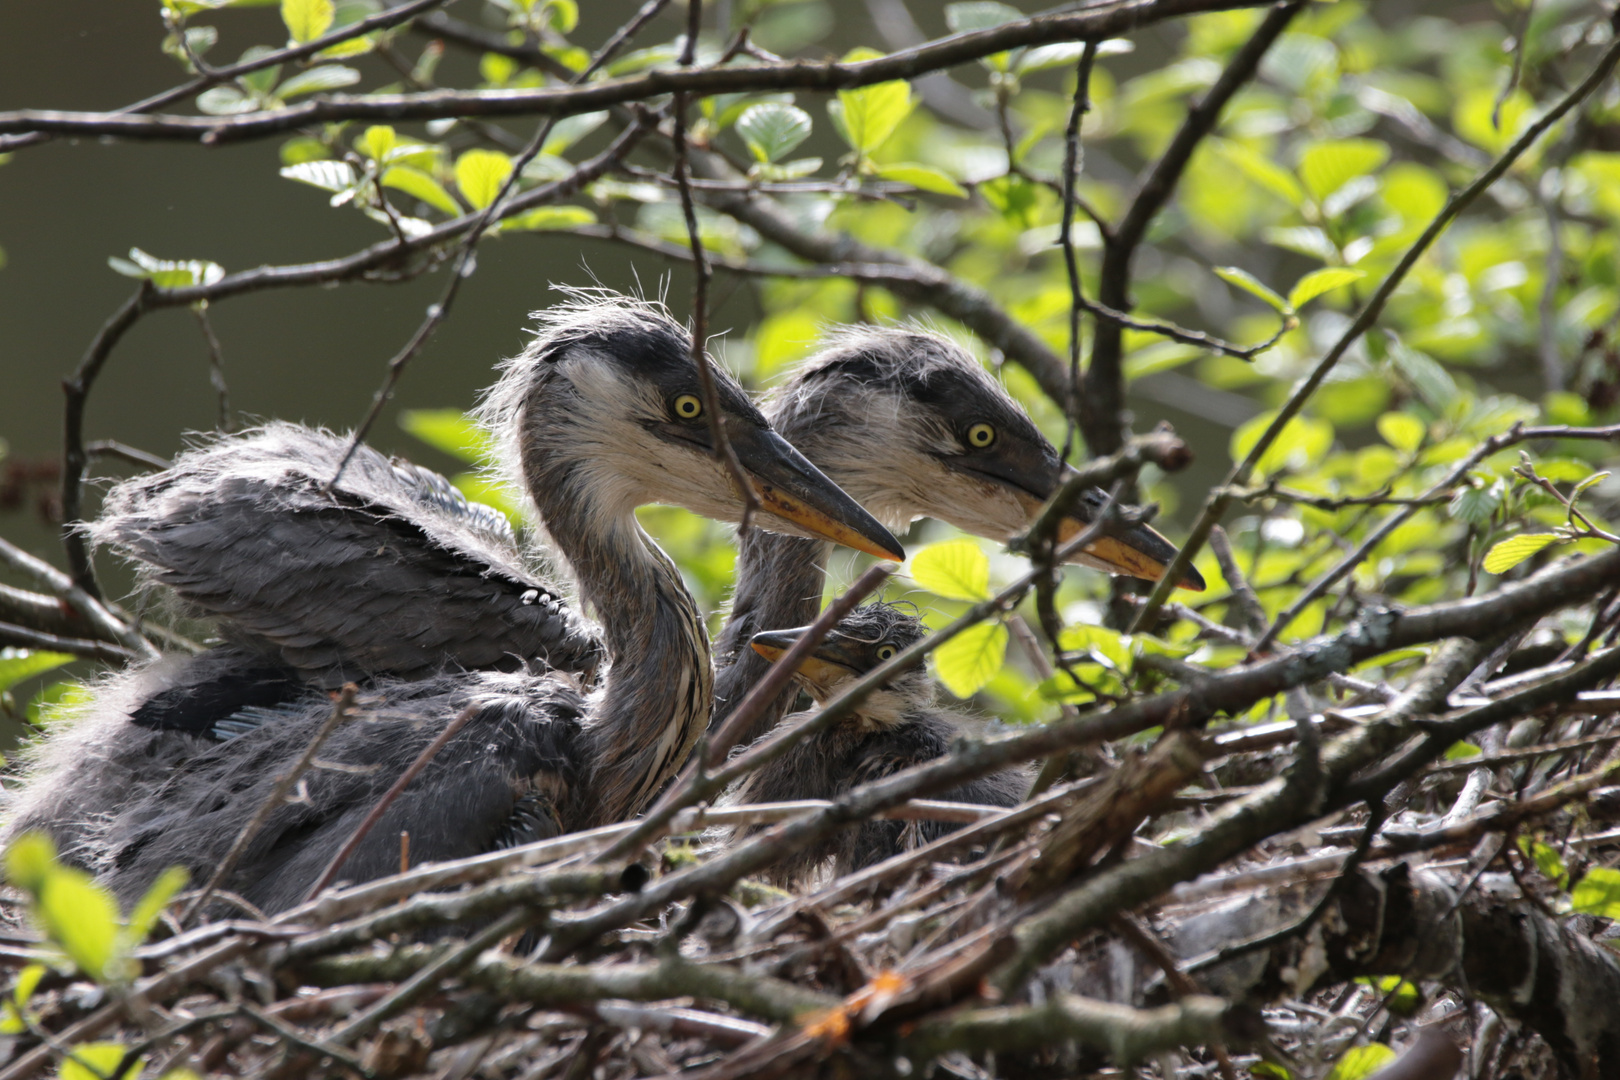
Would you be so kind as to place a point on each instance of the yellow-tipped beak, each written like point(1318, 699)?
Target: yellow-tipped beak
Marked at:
point(813, 669)
point(1140, 552)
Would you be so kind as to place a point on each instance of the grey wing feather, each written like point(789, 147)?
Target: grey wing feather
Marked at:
point(391, 572)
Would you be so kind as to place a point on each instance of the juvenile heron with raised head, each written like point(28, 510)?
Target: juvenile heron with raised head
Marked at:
point(601, 414)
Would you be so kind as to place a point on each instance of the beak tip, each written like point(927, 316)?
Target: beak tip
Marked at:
point(1193, 581)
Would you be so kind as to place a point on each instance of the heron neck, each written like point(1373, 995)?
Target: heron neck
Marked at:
point(656, 698)
point(779, 585)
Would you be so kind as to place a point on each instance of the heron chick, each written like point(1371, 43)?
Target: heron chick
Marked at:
point(897, 726)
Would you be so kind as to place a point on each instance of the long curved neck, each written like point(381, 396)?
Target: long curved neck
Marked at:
point(656, 699)
point(779, 584)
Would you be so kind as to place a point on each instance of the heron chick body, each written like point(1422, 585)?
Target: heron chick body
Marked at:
point(897, 726)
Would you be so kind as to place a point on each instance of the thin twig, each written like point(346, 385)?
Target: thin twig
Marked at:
point(273, 802)
point(428, 753)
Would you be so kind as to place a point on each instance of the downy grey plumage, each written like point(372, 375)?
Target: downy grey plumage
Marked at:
point(599, 415)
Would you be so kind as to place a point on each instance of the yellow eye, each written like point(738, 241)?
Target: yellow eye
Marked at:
point(885, 652)
point(981, 436)
point(688, 407)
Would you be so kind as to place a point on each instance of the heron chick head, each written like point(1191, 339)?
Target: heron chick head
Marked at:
point(868, 636)
point(607, 404)
point(911, 425)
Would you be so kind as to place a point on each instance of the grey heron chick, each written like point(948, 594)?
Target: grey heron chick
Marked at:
point(912, 426)
point(895, 727)
point(602, 413)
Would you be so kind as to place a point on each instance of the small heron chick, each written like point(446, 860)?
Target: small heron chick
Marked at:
point(897, 726)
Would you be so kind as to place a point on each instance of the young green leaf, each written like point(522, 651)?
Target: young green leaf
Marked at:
point(1360, 1062)
point(327, 175)
point(18, 665)
point(1317, 282)
point(923, 178)
point(318, 79)
point(1598, 893)
point(1595, 478)
point(955, 569)
point(972, 658)
point(449, 430)
point(419, 185)
point(377, 141)
point(1249, 283)
point(11, 1020)
point(1511, 552)
point(1328, 166)
point(1263, 172)
point(1403, 431)
point(1547, 860)
point(167, 273)
point(98, 1061)
point(773, 130)
point(81, 917)
point(550, 217)
point(480, 174)
point(150, 907)
point(868, 116)
point(306, 19)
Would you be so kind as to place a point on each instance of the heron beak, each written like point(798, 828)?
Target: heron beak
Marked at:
point(789, 487)
point(1138, 551)
point(828, 665)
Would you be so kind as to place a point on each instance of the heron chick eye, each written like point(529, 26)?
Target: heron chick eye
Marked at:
point(981, 436)
point(688, 407)
point(885, 652)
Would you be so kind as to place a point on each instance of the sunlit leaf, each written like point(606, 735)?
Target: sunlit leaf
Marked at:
point(1263, 171)
point(1403, 996)
point(550, 217)
point(1360, 1062)
point(11, 1021)
point(480, 174)
point(923, 178)
point(167, 273)
point(144, 915)
point(419, 185)
point(19, 665)
point(1403, 431)
point(1318, 282)
point(306, 19)
point(1511, 552)
point(449, 430)
point(97, 1061)
point(318, 79)
point(80, 916)
point(327, 175)
point(1325, 167)
point(955, 569)
point(971, 659)
point(1598, 893)
point(868, 116)
point(1251, 284)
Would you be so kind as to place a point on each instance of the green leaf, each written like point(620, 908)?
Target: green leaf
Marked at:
point(1403, 997)
point(1461, 751)
point(1262, 171)
point(377, 141)
point(18, 665)
point(1328, 166)
point(480, 174)
point(1547, 860)
point(355, 46)
point(81, 917)
point(1474, 505)
point(449, 430)
point(1514, 550)
point(97, 1061)
point(550, 217)
point(1014, 197)
point(868, 116)
point(29, 861)
point(1251, 284)
point(327, 175)
point(923, 178)
point(1403, 431)
point(972, 658)
point(1598, 893)
point(1359, 1062)
point(11, 1021)
point(419, 185)
point(1595, 478)
point(150, 907)
point(317, 79)
point(1302, 442)
point(1317, 282)
point(974, 15)
point(1268, 1071)
point(955, 569)
point(302, 148)
point(306, 19)
point(773, 130)
point(167, 273)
